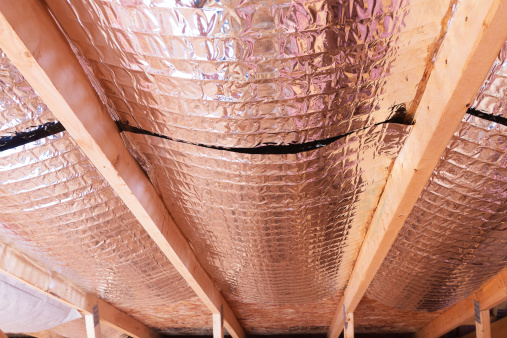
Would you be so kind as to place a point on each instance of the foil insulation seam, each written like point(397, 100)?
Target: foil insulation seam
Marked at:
point(117, 42)
point(492, 97)
point(454, 238)
point(273, 228)
point(21, 109)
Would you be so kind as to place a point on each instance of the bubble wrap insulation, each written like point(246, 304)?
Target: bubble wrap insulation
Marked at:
point(492, 97)
point(276, 229)
point(455, 237)
point(56, 208)
point(21, 109)
point(242, 73)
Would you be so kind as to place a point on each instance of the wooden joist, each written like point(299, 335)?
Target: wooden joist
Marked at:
point(39, 279)
point(32, 40)
point(473, 40)
point(489, 295)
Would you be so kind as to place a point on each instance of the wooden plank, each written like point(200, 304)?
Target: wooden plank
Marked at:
point(349, 326)
point(458, 73)
point(489, 295)
point(498, 329)
point(218, 325)
point(31, 39)
point(483, 328)
point(92, 328)
point(41, 280)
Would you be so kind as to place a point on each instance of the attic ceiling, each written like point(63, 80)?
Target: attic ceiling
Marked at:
point(269, 130)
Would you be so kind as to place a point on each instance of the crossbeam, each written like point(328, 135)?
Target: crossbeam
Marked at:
point(33, 42)
point(474, 37)
point(39, 279)
point(489, 295)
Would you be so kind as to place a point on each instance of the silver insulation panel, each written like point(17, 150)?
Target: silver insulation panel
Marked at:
point(274, 228)
point(57, 208)
point(492, 97)
point(455, 238)
point(240, 73)
point(21, 109)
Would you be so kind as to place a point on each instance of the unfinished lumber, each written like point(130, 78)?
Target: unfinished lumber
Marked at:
point(483, 326)
point(489, 295)
point(459, 71)
point(41, 280)
point(92, 326)
point(498, 329)
point(349, 326)
point(32, 40)
point(218, 325)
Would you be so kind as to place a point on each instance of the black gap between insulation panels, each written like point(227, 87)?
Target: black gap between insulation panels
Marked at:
point(21, 138)
point(493, 118)
point(398, 115)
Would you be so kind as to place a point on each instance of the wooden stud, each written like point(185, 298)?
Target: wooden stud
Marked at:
point(489, 295)
point(349, 326)
point(218, 325)
point(458, 73)
point(39, 279)
point(483, 328)
point(92, 327)
point(33, 42)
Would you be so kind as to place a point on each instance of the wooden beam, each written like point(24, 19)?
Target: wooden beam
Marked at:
point(32, 40)
point(218, 325)
point(489, 295)
point(39, 279)
point(498, 329)
point(349, 325)
point(92, 330)
point(473, 40)
point(483, 328)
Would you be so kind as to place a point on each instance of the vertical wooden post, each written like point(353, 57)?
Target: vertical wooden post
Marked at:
point(349, 325)
point(218, 323)
point(483, 328)
point(93, 323)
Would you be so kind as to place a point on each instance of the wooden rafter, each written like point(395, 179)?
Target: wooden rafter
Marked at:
point(489, 295)
point(472, 42)
point(39, 279)
point(31, 39)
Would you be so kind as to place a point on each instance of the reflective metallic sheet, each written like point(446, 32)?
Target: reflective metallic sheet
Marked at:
point(56, 208)
point(241, 73)
point(21, 109)
point(276, 229)
point(455, 238)
point(492, 97)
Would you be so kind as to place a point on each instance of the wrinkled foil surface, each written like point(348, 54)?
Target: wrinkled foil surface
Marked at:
point(492, 97)
point(455, 237)
point(56, 208)
point(21, 109)
point(240, 73)
point(276, 229)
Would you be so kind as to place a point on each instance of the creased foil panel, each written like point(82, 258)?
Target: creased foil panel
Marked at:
point(276, 229)
point(240, 73)
point(57, 208)
point(455, 238)
point(492, 97)
point(21, 109)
